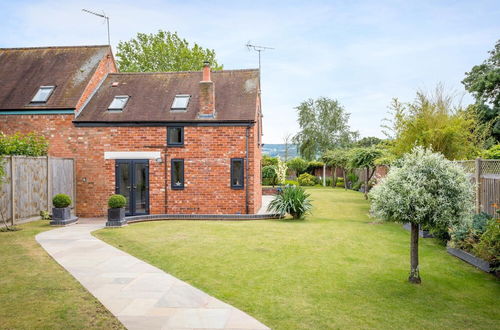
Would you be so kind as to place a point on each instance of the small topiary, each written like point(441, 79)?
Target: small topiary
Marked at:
point(117, 201)
point(306, 179)
point(61, 200)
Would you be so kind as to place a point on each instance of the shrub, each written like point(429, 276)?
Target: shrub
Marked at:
point(328, 182)
point(269, 176)
point(306, 179)
point(297, 164)
point(492, 153)
point(488, 247)
point(44, 215)
point(356, 186)
point(293, 200)
point(352, 178)
point(280, 170)
point(61, 201)
point(268, 160)
point(340, 182)
point(117, 201)
point(30, 144)
point(291, 183)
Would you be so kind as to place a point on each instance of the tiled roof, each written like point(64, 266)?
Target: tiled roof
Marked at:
point(24, 70)
point(151, 96)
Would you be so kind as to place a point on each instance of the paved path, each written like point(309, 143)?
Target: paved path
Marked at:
point(139, 295)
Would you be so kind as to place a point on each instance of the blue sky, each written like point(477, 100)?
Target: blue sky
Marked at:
point(362, 53)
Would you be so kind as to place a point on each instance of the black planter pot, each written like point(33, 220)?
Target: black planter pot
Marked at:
point(62, 216)
point(116, 217)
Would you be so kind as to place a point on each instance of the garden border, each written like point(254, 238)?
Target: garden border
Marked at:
point(219, 217)
point(470, 259)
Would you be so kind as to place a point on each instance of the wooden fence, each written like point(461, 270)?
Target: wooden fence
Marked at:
point(485, 172)
point(31, 182)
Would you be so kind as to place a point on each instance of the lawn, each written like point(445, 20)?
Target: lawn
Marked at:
point(337, 269)
point(37, 293)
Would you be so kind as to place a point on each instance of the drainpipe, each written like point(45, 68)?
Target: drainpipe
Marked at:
point(246, 171)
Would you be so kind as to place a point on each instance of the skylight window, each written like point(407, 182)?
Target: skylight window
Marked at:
point(43, 94)
point(180, 102)
point(118, 103)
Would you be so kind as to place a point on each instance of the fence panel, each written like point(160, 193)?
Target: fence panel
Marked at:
point(30, 182)
point(30, 187)
point(62, 177)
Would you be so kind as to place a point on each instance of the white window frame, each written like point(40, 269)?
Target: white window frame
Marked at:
point(39, 91)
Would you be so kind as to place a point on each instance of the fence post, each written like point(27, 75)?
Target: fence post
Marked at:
point(477, 177)
point(12, 190)
point(49, 184)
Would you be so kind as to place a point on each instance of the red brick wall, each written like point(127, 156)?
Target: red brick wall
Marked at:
point(106, 66)
point(207, 153)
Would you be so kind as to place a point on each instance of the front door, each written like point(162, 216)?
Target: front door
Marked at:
point(132, 181)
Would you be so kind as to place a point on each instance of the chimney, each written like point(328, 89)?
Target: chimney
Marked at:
point(207, 95)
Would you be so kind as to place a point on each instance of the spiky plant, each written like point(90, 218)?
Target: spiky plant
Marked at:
point(292, 200)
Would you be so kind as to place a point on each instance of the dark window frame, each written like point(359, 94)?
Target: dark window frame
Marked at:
point(172, 183)
point(233, 160)
point(175, 144)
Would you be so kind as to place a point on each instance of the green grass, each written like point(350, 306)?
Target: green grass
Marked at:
point(334, 270)
point(37, 293)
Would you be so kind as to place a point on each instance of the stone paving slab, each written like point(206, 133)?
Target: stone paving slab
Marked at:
point(140, 295)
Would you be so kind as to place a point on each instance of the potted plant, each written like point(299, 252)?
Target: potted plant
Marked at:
point(116, 211)
point(61, 213)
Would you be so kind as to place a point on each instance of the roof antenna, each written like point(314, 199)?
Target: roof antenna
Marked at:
point(258, 49)
point(103, 15)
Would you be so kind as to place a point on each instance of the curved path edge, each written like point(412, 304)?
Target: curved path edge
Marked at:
point(140, 295)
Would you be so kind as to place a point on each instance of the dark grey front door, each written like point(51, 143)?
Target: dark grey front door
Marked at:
point(132, 181)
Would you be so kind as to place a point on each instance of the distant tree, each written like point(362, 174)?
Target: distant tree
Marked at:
point(483, 82)
point(434, 122)
point(368, 141)
point(423, 189)
point(364, 158)
point(268, 160)
point(162, 51)
point(337, 158)
point(286, 141)
point(323, 126)
point(298, 165)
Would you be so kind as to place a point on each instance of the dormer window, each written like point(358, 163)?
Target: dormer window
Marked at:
point(118, 103)
point(180, 102)
point(43, 94)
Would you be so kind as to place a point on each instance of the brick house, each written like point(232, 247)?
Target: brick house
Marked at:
point(172, 142)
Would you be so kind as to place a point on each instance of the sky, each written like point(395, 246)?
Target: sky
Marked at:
point(362, 53)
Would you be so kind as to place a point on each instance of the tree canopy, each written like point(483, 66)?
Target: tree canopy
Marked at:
point(483, 82)
point(297, 164)
point(368, 141)
point(323, 125)
point(162, 51)
point(434, 122)
point(426, 189)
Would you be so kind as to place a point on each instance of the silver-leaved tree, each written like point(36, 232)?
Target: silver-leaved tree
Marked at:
point(425, 189)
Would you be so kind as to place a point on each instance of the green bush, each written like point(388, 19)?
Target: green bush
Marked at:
point(492, 153)
point(30, 144)
point(340, 182)
point(297, 164)
point(268, 160)
point(269, 176)
point(291, 183)
point(488, 247)
point(293, 200)
point(356, 186)
point(117, 201)
point(352, 178)
point(328, 182)
point(61, 200)
point(306, 179)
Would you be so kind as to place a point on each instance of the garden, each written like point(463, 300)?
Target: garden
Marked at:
point(337, 268)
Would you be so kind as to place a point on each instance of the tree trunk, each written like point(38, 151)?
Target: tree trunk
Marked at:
point(334, 184)
point(345, 178)
point(414, 273)
point(366, 182)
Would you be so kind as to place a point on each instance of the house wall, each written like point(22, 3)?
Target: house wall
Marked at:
point(106, 65)
point(207, 152)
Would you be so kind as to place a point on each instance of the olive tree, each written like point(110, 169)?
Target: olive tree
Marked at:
point(337, 159)
point(423, 188)
point(364, 158)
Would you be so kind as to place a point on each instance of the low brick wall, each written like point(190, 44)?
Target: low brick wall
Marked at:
point(269, 190)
